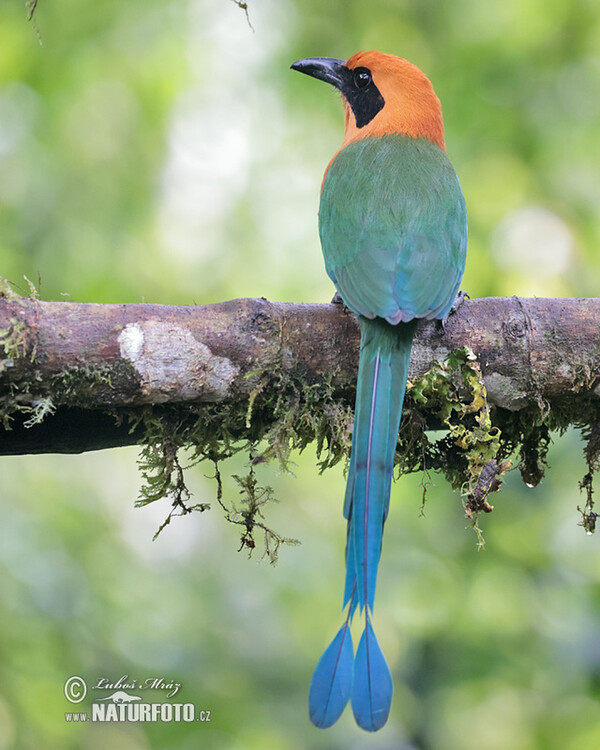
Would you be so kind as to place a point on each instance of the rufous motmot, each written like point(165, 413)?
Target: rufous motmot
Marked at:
point(393, 229)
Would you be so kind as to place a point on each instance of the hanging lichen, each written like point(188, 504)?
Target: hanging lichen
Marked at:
point(284, 416)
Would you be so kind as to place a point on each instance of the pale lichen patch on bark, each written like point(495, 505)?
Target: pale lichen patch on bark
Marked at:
point(168, 359)
point(502, 392)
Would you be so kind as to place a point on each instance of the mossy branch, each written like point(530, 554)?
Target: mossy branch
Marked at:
point(73, 376)
point(267, 378)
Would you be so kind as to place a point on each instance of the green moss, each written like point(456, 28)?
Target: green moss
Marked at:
point(28, 393)
point(281, 416)
point(7, 291)
point(248, 514)
point(74, 384)
point(13, 345)
point(472, 447)
point(453, 394)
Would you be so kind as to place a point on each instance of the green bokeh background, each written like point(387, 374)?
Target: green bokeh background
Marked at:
point(163, 152)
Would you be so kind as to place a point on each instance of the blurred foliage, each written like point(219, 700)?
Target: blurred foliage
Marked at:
point(163, 151)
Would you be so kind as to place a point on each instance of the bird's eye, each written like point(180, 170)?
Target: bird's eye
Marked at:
point(362, 78)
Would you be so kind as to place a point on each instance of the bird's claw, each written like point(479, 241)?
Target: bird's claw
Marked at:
point(460, 298)
point(337, 300)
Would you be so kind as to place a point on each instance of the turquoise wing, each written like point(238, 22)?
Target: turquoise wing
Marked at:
point(393, 227)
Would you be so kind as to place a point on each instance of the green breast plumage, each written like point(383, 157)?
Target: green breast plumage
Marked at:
point(393, 228)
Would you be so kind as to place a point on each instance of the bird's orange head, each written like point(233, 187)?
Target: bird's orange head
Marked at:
point(382, 94)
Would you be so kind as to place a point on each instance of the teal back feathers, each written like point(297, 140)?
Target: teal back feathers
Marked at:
point(393, 227)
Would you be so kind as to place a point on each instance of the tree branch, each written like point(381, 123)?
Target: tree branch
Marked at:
point(70, 372)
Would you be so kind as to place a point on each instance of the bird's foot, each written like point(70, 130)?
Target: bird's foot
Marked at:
point(460, 298)
point(337, 300)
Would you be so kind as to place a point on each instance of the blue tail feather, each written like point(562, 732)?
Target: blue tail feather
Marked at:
point(373, 687)
point(331, 684)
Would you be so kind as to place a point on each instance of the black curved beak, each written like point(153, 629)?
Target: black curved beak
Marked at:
point(325, 69)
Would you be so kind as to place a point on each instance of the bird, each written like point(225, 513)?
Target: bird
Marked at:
point(393, 231)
